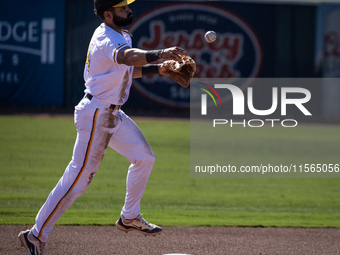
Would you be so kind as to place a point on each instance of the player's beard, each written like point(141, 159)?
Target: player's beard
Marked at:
point(119, 21)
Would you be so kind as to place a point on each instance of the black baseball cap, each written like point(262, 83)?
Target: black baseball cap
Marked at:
point(100, 6)
point(111, 3)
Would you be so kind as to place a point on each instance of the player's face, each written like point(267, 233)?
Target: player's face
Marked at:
point(122, 16)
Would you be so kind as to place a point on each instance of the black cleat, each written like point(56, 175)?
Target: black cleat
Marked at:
point(32, 244)
point(139, 224)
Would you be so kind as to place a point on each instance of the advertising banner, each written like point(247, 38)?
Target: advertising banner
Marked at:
point(32, 53)
point(236, 52)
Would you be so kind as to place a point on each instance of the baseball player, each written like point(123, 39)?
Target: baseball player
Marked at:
point(110, 65)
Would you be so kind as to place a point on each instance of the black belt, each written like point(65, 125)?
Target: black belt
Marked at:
point(112, 106)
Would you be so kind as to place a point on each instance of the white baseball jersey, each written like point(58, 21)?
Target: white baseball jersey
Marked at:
point(104, 77)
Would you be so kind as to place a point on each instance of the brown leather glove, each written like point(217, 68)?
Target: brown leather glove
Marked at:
point(181, 71)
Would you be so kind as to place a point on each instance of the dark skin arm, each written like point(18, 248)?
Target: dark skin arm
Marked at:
point(137, 73)
point(137, 57)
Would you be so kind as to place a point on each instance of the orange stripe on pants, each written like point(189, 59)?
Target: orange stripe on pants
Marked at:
point(78, 176)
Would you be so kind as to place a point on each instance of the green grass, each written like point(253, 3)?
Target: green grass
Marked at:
point(34, 152)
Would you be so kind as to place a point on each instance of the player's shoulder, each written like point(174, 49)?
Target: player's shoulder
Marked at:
point(107, 37)
point(127, 33)
point(106, 33)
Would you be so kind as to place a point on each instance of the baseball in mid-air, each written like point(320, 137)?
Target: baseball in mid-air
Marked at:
point(210, 36)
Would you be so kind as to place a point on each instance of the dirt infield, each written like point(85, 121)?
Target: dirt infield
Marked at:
point(191, 240)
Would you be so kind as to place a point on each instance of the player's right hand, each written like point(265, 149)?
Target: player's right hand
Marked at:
point(173, 53)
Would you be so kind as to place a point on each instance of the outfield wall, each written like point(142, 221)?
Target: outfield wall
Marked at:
point(263, 39)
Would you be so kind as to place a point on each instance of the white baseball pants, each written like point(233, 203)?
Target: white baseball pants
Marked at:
point(98, 127)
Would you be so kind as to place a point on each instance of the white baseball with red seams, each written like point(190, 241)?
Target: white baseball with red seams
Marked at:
point(210, 36)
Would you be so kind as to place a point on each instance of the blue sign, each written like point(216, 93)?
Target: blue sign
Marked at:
point(32, 52)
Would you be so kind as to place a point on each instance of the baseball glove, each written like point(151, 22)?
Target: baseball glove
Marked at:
point(181, 71)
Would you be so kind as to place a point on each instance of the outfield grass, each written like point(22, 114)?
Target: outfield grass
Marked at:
point(34, 152)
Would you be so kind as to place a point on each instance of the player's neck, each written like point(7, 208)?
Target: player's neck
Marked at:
point(114, 27)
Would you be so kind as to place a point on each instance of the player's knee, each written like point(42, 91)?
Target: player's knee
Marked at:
point(144, 157)
point(150, 157)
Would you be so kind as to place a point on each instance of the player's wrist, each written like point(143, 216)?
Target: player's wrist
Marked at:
point(153, 55)
point(150, 69)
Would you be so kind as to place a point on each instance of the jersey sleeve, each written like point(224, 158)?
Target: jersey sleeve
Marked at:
point(110, 49)
point(114, 44)
point(115, 51)
point(122, 44)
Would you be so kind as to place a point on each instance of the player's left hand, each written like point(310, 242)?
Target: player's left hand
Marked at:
point(181, 71)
